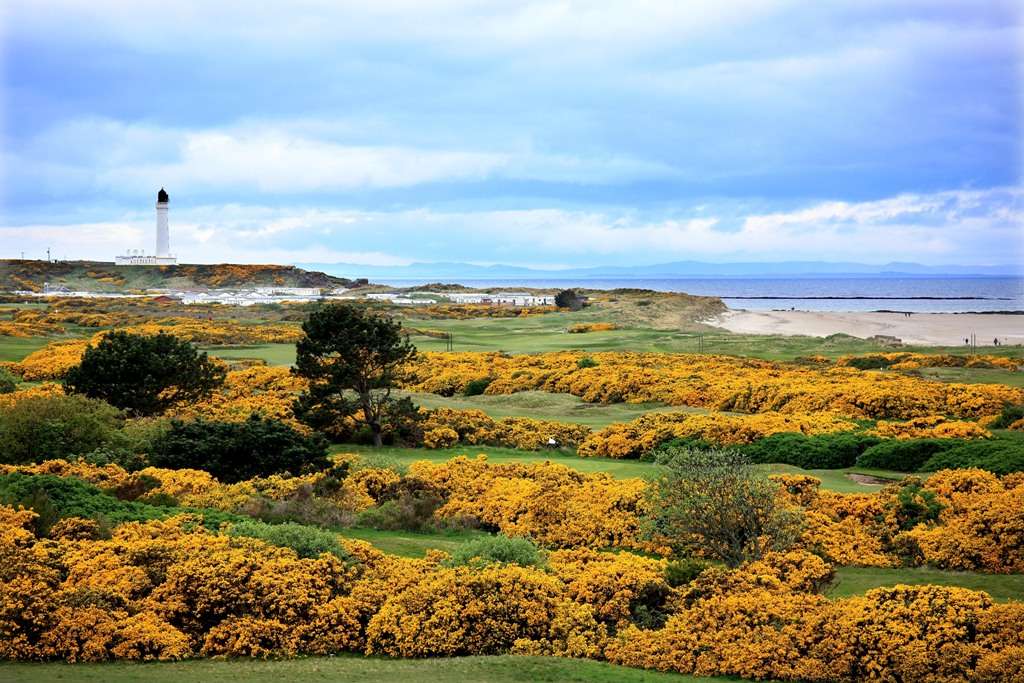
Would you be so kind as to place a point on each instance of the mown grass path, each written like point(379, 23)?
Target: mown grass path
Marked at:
point(348, 668)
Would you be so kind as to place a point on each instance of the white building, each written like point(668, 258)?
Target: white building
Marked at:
point(523, 299)
point(137, 257)
point(288, 291)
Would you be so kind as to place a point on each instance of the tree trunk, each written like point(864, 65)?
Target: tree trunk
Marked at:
point(377, 440)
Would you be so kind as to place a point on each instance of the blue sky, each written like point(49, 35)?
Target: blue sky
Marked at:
point(543, 133)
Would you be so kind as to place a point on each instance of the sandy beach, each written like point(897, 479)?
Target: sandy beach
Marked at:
point(936, 329)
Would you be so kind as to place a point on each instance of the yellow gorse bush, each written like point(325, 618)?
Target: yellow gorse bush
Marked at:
point(220, 332)
point(930, 427)
point(633, 439)
point(714, 382)
point(555, 505)
point(910, 361)
point(55, 359)
point(267, 391)
point(166, 590)
point(469, 311)
point(583, 328)
point(445, 427)
point(981, 526)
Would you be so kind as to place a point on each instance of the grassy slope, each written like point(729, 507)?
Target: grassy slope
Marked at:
point(503, 669)
point(411, 543)
point(527, 336)
point(14, 349)
point(545, 406)
point(547, 333)
point(975, 376)
point(858, 580)
point(621, 469)
point(272, 354)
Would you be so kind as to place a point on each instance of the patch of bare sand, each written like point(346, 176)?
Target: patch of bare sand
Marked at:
point(931, 329)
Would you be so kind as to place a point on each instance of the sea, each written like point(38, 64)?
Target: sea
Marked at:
point(904, 294)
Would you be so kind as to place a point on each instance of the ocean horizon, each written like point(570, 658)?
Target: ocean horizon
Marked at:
point(951, 294)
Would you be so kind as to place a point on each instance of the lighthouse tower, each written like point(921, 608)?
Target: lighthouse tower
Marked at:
point(163, 234)
point(137, 257)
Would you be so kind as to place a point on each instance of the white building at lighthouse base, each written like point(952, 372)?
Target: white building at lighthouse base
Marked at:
point(140, 259)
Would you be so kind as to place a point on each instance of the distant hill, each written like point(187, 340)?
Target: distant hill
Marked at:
point(677, 269)
point(99, 276)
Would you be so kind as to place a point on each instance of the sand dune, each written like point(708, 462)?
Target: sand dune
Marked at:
point(940, 329)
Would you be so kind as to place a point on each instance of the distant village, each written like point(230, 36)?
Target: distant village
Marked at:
point(272, 295)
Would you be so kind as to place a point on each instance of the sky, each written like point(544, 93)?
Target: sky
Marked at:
point(545, 133)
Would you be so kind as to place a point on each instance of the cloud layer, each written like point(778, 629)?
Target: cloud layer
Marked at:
point(961, 227)
point(521, 131)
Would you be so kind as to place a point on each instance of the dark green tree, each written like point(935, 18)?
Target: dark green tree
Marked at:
point(144, 374)
point(235, 451)
point(714, 502)
point(350, 357)
point(568, 298)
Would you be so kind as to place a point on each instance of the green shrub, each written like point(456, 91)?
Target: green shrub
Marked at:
point(302, 508)
point(117, 455)
point(8, 381)
point(586, 362)
point(916, 504)
point(41, 428)
point(235, 451)
point(822, 451)
point(869, 362)
point(682, 571)
point(307, 541)
point(1000, 456)
point(904, 455)
point(54, 497)
point(498, 549)
point(476, 387)
point(1010, 414)
point(407, 504)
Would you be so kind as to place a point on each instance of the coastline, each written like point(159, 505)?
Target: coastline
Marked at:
point(931, 329)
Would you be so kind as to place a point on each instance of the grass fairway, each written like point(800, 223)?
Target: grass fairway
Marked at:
point(840, 480)
point(272, 354)
point(410, 543)
point(388, 456)
point(547, 333)
point(348, 668)
point(858, 580)
point(974, 376)
point(14, 349)
point(546, 406)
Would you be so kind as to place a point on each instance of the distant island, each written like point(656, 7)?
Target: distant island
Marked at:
point(676, 269)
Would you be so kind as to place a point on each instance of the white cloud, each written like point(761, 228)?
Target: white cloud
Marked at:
point(973, 227)
point(458, 26)
point(282, 157)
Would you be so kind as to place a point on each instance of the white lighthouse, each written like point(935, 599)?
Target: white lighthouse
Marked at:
point(137, 257)
point(163, 235)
